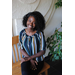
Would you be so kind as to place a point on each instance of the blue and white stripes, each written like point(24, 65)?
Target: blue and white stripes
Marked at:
point(32, 44)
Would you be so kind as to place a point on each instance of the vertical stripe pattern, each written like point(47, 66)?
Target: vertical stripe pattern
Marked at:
point(32, 44)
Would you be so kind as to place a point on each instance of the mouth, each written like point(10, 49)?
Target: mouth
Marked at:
point(30, 26)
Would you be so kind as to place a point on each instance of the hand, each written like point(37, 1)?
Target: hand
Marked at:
point(33, 66)
point(25, 59)
point(22, 60)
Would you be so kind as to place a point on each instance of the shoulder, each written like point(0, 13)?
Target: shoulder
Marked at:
point(21, 32)
point(41, 34)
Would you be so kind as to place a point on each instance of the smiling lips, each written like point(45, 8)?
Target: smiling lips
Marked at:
point(30, 26)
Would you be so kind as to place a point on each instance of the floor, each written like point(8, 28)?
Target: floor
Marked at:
point(55, 67)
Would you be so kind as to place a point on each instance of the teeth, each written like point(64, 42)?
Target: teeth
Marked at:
point(30, 26)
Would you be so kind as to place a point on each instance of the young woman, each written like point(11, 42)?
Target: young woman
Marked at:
point(33, 43)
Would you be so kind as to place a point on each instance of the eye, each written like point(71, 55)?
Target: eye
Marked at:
point(33, 22)
point(29, 20)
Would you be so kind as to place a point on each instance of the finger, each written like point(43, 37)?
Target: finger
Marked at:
point(22, 60)
point(35, 66)
point(36, 62)
point(26, 59)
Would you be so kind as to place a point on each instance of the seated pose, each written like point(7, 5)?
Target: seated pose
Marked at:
point(32, 43)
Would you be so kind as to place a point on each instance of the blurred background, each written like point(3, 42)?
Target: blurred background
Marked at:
point(53, 17)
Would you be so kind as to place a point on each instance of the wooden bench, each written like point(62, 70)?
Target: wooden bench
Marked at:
point(16, 66)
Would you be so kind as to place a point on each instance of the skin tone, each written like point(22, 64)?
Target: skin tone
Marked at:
point(29, 31)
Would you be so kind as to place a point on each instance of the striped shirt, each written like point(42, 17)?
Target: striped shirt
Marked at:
point(32, 44)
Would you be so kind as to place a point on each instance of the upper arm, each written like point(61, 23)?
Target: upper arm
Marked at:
point(42, 42)
point(20, 39)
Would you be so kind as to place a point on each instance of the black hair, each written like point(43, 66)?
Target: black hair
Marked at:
point(40, 21)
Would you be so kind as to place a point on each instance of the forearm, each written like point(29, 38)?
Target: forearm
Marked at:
point(27, 58)
point(24, 53)
point(38, 54)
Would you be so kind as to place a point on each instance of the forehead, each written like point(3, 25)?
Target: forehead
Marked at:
point(31, 17)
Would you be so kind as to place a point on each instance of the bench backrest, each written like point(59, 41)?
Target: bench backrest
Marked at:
point(15, 43)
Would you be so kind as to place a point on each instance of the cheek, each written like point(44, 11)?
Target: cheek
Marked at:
point(27, 23)
point(34, 25)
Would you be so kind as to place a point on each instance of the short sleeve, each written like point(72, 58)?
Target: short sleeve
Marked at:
point(42, 41)
point(20, 40)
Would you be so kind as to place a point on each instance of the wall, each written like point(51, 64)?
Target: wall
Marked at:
point(52, 16)
point(21, 7)
point(53, 24)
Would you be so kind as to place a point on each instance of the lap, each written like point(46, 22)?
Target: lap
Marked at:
point(39, 67)
point(25, 68)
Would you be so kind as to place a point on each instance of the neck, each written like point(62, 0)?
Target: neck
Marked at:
point(29, 31)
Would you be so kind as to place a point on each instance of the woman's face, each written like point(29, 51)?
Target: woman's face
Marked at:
point(31, 23)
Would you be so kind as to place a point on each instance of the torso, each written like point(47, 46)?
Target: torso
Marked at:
point(32, 43)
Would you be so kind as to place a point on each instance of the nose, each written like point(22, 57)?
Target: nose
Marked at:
point(31, 23)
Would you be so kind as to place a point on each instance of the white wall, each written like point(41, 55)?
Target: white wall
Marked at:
point(53, 24)
point(52, 16)
point(19, 9)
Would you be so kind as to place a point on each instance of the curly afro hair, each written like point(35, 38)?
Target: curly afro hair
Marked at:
point(40, 21)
